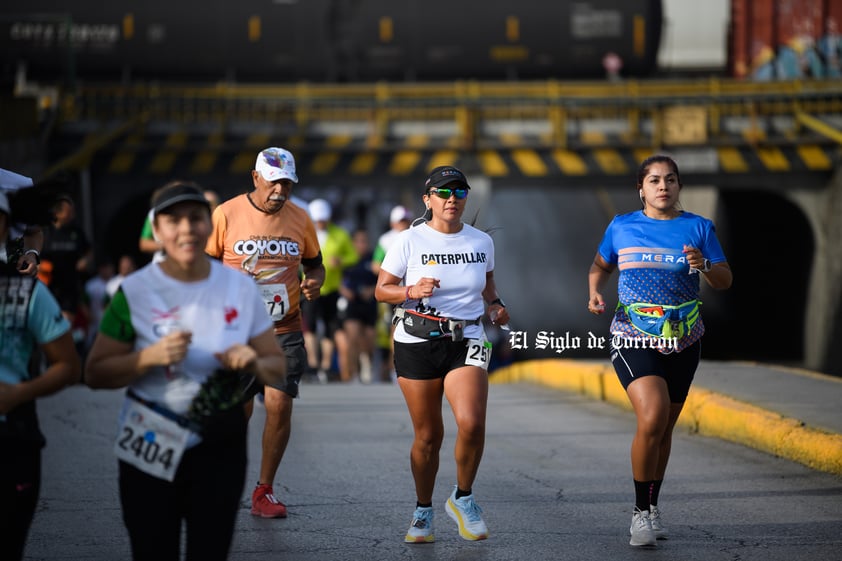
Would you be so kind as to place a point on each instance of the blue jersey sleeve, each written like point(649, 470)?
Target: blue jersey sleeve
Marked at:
point(710, 246)
point(607, 250)
point(46, 322)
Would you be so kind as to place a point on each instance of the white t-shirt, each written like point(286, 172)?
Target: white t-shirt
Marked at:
point(223, 309)
point(113, 284)
point(460, 261)
point(387, 238)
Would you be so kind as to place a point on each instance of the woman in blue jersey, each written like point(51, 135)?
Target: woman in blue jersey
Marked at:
point(31, 318)
point(661, 252)
point(182, 334)
point(441, 273)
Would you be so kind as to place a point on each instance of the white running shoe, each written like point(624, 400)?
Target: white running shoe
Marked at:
point(421, 528)
point(468, 516)
point(657, 525)
point(641, 529)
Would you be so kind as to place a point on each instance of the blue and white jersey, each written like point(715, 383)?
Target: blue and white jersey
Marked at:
point(652, 266)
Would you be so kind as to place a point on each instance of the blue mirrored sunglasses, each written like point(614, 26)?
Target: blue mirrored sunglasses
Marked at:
point(446, 192)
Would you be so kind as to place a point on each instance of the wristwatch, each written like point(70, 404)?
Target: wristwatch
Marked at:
point(497, 301)
point(707, 266)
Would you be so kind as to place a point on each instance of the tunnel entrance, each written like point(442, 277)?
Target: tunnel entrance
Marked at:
point(769, 245)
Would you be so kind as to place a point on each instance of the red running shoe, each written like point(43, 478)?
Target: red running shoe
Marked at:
point(265, 505)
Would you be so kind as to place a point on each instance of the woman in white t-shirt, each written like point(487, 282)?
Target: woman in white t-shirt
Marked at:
point(185, 335)
point(441, 273)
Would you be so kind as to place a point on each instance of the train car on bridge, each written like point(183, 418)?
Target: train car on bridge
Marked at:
point(277, 41)
point(328, 40)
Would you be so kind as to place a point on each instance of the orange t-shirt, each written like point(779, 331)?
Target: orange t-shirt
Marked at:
point(270, 248)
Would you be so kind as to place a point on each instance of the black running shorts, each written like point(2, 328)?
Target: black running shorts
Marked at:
point(296, 355)
point(678, 369)
point(429, 360)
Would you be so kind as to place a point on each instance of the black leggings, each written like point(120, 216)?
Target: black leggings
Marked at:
point(205, 494)
point(20, 486)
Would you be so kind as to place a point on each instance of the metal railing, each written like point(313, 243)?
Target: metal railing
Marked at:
point(644, 113)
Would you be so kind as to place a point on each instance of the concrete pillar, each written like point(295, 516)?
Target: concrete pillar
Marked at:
point(701, 200)
point(823, 311)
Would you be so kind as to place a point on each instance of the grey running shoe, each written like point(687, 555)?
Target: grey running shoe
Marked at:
point(641, 529)
point(657, 524)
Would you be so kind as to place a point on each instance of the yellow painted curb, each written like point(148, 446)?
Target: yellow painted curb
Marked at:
point(705, 412)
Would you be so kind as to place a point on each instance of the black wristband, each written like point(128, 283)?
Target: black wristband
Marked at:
point(497, 301)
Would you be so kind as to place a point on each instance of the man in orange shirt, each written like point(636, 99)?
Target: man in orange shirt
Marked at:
point(264, 236)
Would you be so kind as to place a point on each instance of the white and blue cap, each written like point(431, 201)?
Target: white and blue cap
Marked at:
point(276, 163)
point(399, 214)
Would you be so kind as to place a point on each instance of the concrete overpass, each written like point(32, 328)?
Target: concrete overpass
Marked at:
point(552, 162)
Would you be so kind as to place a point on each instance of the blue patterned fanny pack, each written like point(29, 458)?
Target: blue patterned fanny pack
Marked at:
point(659, 320)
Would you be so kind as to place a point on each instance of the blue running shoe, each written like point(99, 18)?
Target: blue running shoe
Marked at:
point(468, 516)
point(421, 528)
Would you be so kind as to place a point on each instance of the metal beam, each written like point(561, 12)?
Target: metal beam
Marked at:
point(819, 126)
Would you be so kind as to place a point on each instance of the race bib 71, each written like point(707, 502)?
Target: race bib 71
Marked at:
point(276, 299)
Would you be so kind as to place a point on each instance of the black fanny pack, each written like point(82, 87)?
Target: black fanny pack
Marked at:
point(427, 326)
point(214, 422)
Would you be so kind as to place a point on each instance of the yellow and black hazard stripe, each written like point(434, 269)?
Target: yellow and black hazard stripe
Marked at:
point(192, 154)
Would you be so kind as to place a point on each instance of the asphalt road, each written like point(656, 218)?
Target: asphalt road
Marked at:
point(555, 483)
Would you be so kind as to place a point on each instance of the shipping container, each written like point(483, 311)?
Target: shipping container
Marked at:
point(785, 39)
